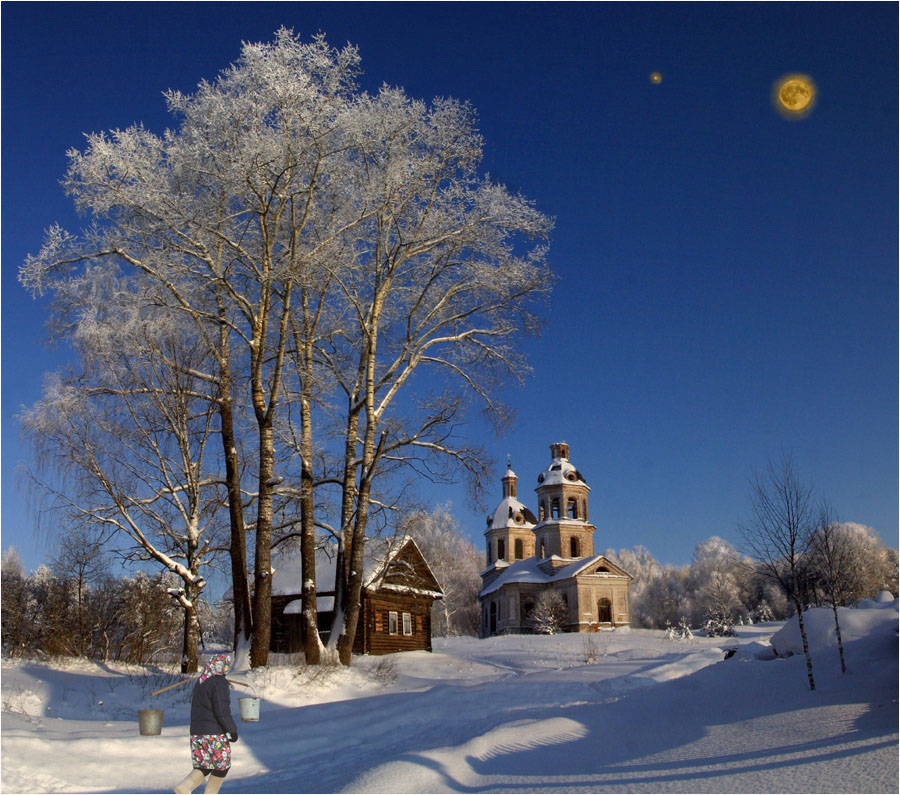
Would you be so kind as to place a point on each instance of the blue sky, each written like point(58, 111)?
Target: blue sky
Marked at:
point(728, 278)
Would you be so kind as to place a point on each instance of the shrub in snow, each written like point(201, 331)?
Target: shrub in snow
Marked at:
point(681, 632)
point(549, 614)
point(719, 623)
point(763, 613)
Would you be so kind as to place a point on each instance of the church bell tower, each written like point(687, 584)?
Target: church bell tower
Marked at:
point(563, 528)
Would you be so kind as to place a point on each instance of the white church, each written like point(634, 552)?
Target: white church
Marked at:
point(527, 554)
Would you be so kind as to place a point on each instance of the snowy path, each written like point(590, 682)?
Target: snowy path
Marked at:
point(506, 714)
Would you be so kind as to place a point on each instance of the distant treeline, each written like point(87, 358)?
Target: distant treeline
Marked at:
point(723, 585)
point(89, 613)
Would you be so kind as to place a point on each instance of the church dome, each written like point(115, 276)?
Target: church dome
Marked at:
point(512, 513)
point(561, 470)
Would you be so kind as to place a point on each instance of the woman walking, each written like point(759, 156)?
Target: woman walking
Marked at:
point(212, 727)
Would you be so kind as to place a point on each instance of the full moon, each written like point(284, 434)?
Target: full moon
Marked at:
point(794, 95)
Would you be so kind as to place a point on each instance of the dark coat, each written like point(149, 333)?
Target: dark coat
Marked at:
point(211, 708)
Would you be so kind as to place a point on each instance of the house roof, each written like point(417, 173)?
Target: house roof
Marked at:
point(529, 571)
point(378, 557)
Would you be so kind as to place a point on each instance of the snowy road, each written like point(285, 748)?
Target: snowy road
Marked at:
point(507, 714)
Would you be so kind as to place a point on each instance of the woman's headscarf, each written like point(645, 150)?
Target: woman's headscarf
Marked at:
point(217, 665)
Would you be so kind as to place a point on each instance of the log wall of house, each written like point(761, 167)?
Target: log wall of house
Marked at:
point(375, 618)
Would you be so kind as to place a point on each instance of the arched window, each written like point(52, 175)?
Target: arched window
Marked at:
point(489, 552)
point(520, 549)
point(554, 509)
point(572, 508)
point(543, 549)
point(501, 549)
point(573, 547)
point(604, 611)
point(542, 510)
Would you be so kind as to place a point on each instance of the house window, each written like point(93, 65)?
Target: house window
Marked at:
point(501, 549)
point(407, 624)
point(520, 549)
point(392, 622)
point(573, 546)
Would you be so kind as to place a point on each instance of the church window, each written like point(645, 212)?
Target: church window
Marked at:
point(572, 508)
point(492, 627)
point(520, 549)
point(407, 624)
point(392, 622)
point(542, 509)
point(501, 549)
point(573, 547)
point(513, 608)
point(554, 509)
point(543, 549)
point(489, 552)
point(518, 518)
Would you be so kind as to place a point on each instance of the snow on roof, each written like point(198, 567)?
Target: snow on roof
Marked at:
point(287, 565)
point(529, 570)
point(507, 508)
point(555, 474)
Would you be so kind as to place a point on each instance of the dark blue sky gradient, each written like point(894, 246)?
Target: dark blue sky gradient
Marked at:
point(728, 277)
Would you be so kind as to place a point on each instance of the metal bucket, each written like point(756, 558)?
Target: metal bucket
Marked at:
point(249, 709)
point(150, 721)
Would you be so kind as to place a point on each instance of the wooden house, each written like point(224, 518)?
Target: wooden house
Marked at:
point(399, 589)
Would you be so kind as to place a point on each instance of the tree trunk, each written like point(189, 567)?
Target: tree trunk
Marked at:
point(313, 645)
point(837, 629)
point(189, 647)
point(262, 572)
point(809, 668)
point(240, 587)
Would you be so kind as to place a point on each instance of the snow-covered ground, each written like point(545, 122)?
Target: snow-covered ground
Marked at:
point(511, 714)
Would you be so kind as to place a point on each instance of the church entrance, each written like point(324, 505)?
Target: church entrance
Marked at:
point(604, 611)
point(493, 624)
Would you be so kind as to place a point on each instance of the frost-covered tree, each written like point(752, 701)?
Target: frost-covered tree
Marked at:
point(80, 559)
point(455, 563)
point(714, 580)
point(15, 625)
point(550, 613)
point(122, 445)
point(294, 219)
point(778, 533)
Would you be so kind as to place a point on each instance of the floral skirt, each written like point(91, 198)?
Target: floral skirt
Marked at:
point(210, 751)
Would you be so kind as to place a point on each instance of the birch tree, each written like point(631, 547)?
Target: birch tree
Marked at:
point(122, 443)
point(443, 274)
point(327, 245)
point(778, 534)
point(832, 556)
point(222, 213)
